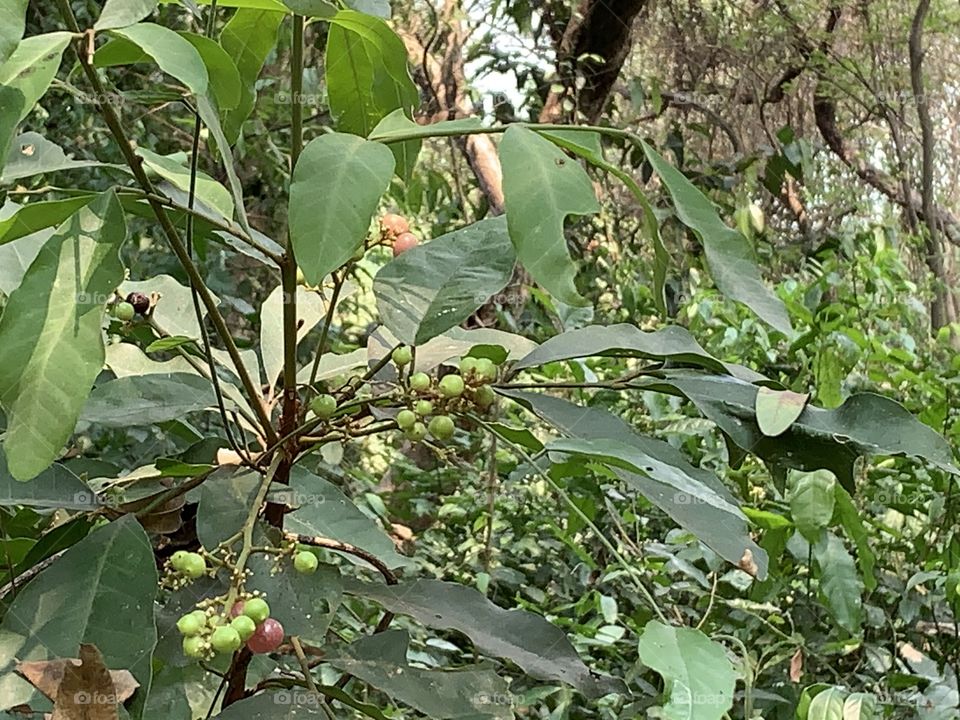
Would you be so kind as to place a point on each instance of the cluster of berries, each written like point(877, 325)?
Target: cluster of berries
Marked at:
point(206, 633)
point(457, 391)
point(134, 304)
point(395, 229)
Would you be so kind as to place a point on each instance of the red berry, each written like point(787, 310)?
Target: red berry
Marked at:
point(404, 242)
point(237, 609)
point(267, 638)
point(393, 224)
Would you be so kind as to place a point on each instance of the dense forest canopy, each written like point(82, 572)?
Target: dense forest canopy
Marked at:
point(512, 358)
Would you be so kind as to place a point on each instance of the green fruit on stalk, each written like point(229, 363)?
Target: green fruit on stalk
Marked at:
point(124, 311)
point(485, 397)
point(451, 386)
point(468, 366)
point(226, 639)
point(417, 432)
point(323, 406)
point(486, 370)
point(423, 408)
point(190, 625)
point(442, 427)
point(193, 566)
point(403, 355)
point(305, 563)
point(244, 626)
point(420, 382)
point(176, 560)
point(193, 647)
point(406, 419)
point(256, 609)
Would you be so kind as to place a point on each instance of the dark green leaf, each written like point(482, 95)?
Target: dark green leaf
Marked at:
point(849, 516)
point(32, 154)
point(336, 188)
point(225, 500)
point(694, 498)
point(381, 661)
point(147, 399)
point(541, 649)
point(28, 219)
point(172, 53)
point(541, 187)
point(294, 704)
point(811, 502)
point(698, 677)
point(121, 13)
point(405, 153)
point(223, 74)
point(55, 487)
point(840, 585)
point(51, 344)
point(303, 604)
point(366, 72)
point(436, 286)
point(101, 591)
point(729, 254)
point(312, 8)
point(12, 23)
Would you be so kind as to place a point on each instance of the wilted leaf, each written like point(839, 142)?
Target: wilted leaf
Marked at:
point(777, 410)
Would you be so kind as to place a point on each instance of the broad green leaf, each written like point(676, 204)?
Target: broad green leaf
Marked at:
point(126, 359)
point(336, 188)
point(169, 343)
point(323, 510)
point(295, 704)
point(674, 344)
point(174, 55)
point(698, 677)
point(827, 705)
point(31, 67)
point(812, 501)
point(840, 585)
point(121, 13)
point(224, 76)
point(381, 661)
point(694, 498)
point(28, 219)
point(860, 706)
point(730, 255)
point(225, 500)
point(866, 424)
point(849, 516)
point(12, 24)
point(32, 154)
point(538, 647)
point(778, 409)
point(401, 128)
point(248, 38)
point(51, 345)
point(208, 190)
point(312, 8)
point(366, 72)
point(405, 153)
point(433, 287)
point(450, 346)
point(100, 591)
point(303, 604)
point(311, 309)
point(332, 365)
point(55, 487)
point(147, 399)
point(541, 187)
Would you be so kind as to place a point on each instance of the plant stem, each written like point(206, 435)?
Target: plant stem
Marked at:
point(338, 282)
point(115, 125)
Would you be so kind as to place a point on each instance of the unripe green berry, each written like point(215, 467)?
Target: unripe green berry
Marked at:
point(417, 432)
point(468, 366)
point(486, 370)
point(176, 560)
point(420, 382)
point(406, 419)
point(225, 639)
point(193, 647)
point(423, 408)
point(244, 626)
point(451, 386)
point(124, 311)
point(441, 427)
point(256, 609)
point(323, 406)
point(305, 562)
point(403, 355)
point(190, 625)
point(193, 565)
point(485, 397)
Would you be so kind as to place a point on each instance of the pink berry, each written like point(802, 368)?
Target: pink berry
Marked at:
point(237, 609)
point(406, 241)
point(267, 638)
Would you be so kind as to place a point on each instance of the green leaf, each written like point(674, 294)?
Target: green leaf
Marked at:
point(694, 498)
point(400, 128)
point(860, 706)
point(777, 410)
point(840, 585)
point(538, 647)
point(28, 219)
point(147, 399)
point(303, 604)
point(12, 24)
point(55, 487)
point(223, 74)
point(849, 516)
point(208, 115)
point(312, 8)
point(169, 343)
point(336, 188)
point(380, 8)
point(173, 313)
point(866, 424)
point(541, 187)
point(674, 344)
point(100, 591)
point(323, 510)
point(381, 661)
point(225, 500)
point(433, 287)
point(32, 154)
point(311, 309)
point(174, 55)
point(827, 705)
point(404, 153)
point(698, 677)
point(51, 345)
point(121, 13)
point(247, 38)
point(730, 256)
point(208, 191)
point(278, 705)
point(811, 502)
point(366, 72)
